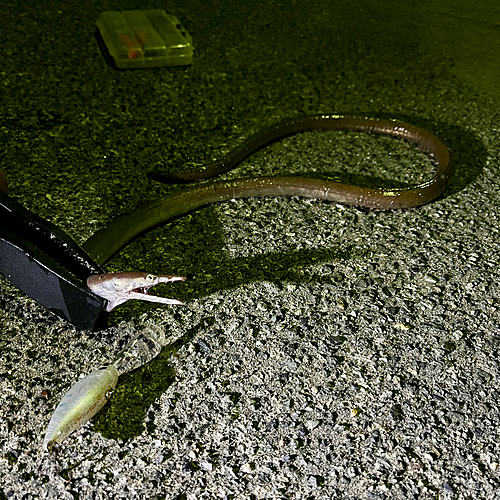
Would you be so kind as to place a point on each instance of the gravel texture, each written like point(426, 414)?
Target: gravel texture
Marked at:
point(323, 351)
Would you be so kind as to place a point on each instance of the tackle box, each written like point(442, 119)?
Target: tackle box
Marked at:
point(145, 39)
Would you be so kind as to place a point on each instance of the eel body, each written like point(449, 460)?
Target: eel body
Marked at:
point(106, 242)
point(89, 394)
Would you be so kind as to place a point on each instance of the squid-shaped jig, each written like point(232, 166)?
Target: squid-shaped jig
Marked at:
point(79, 404)
point(90, 393)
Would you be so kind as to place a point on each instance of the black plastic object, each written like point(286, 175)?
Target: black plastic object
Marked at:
point(46, 264)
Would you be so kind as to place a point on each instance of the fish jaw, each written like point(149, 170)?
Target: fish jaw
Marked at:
point(118, 288)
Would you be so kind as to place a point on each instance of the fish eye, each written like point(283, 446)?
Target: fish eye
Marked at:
point(150, 277)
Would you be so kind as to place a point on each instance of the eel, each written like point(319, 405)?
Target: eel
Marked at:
point(106, 242)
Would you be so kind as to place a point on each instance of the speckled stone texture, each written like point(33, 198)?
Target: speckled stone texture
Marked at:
point(323, 351)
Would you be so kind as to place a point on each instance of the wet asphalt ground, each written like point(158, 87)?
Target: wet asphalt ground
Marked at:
point(324, 351)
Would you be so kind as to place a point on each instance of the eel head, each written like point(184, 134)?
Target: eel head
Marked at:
point(117, 288)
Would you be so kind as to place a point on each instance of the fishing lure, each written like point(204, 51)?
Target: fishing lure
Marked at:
point(79, 404)
point(134, 43)
point(92, 392)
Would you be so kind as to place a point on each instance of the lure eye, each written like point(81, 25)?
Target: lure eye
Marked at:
point(150, 277)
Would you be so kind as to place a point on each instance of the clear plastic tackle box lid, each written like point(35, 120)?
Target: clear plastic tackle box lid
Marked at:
point(145, 39)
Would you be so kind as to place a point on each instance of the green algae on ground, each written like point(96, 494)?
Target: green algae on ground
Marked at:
point(124, 417)
point(125, 414)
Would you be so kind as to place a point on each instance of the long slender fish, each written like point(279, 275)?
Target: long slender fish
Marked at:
point(105, 243)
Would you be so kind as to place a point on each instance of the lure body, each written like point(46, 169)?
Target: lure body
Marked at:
point(80, 403)
point(90, 393)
